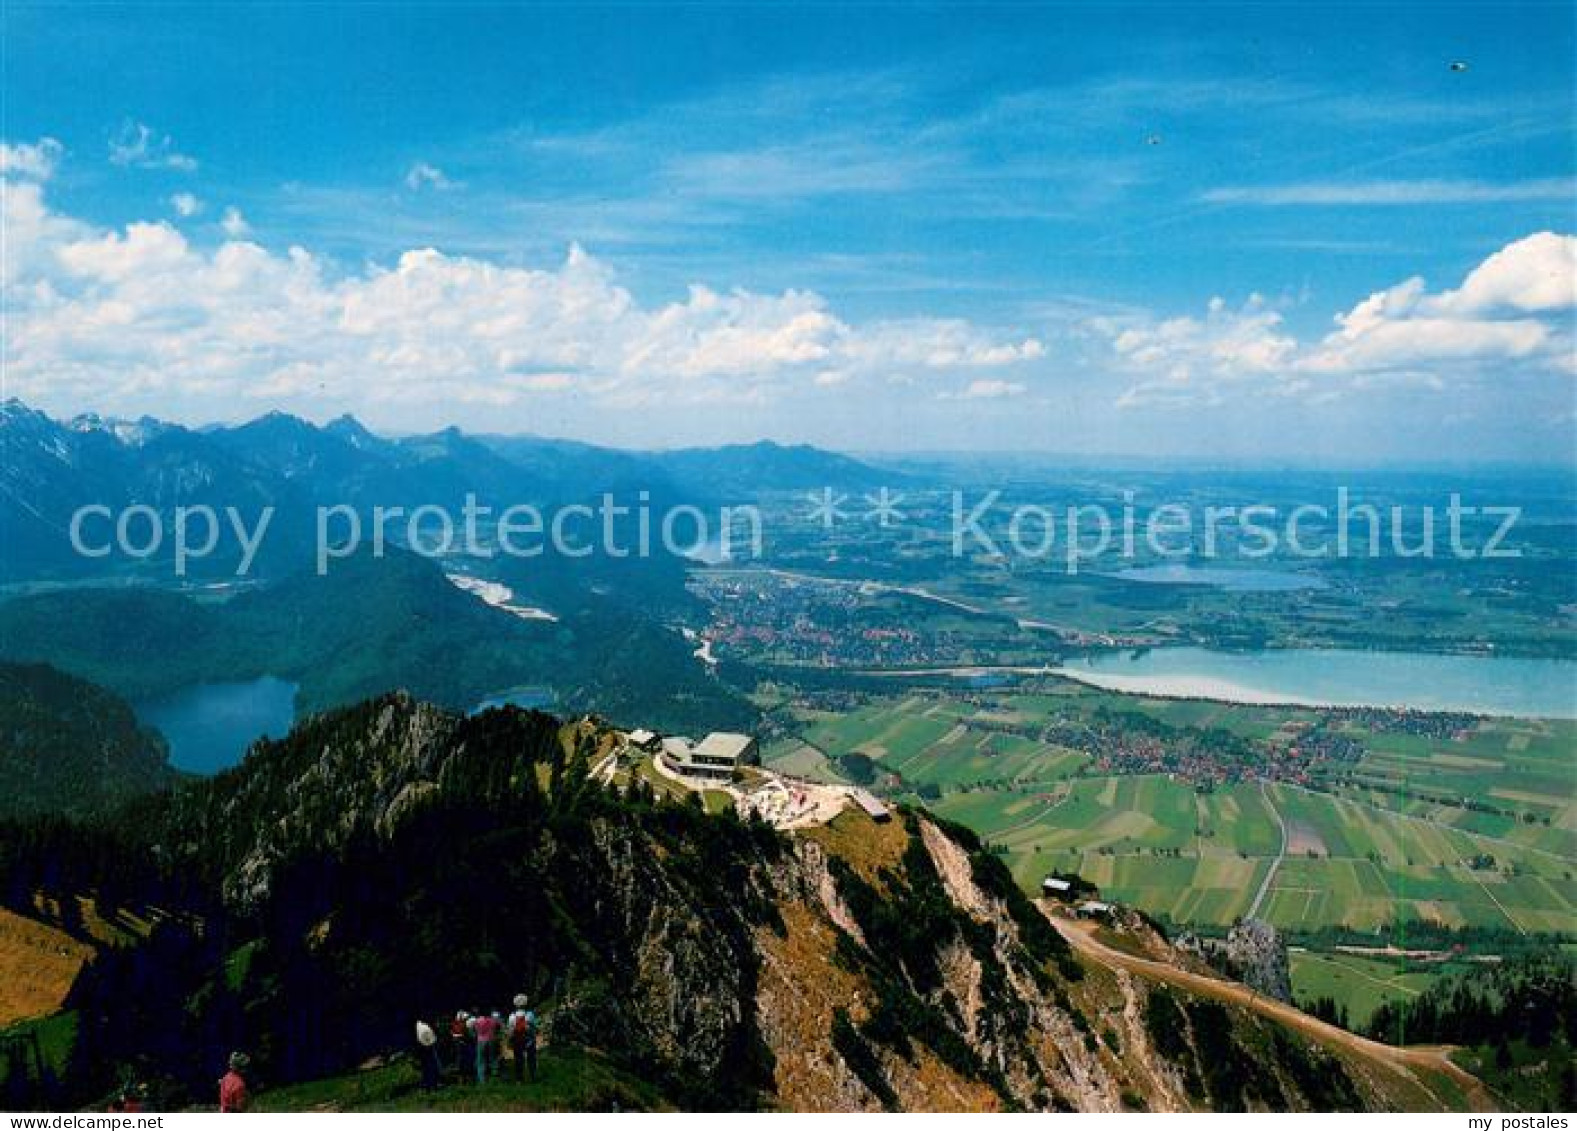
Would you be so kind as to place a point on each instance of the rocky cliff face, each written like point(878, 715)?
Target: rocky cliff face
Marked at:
point(982, 1011)
point(395, 860)
point(333, 777)
point(1253, 952)
point(1256, 950)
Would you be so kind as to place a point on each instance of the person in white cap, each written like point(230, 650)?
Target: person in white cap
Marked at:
point(427, 1055)
point(522, 1031)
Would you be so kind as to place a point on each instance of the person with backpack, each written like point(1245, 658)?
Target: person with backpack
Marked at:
point(523, 1039)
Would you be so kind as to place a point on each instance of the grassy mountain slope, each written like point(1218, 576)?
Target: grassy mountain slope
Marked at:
point(568, 1079)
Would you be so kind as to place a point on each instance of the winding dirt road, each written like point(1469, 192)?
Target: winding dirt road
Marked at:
point(1431, 1058)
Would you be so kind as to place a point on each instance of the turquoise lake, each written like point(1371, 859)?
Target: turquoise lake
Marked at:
point(210, 725)
point(1488, 685)
point(532, 698)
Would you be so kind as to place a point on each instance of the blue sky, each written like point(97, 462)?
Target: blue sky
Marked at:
point(1028, 226)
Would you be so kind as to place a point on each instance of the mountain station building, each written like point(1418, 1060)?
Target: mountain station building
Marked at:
point(717, 755)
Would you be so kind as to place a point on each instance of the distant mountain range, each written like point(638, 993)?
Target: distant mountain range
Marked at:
point(50, 468)
point(742, 471)
point(374, 623)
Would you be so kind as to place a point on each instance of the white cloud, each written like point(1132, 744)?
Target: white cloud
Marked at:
point(986, 389)
point(1395, 330)
point(1395, 193)
point(422, 175)
point(1487, 318)
point(541, 382)
point(143, 252)
point(950, 343)
point(1516, 306)
point(138, 146)
point(32, 234)
point(33, 162)
point(186, 204)
point(1192, 358)
point(1532, 275)
point(144, 315)
point(234, 224)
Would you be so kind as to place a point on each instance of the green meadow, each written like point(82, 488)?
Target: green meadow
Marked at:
point(1385, 840)
point(939, 740)
point(1360, 984)
point(1520, 774)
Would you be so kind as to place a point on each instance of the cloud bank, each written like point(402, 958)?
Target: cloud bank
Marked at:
point(1517, 307)
point(143, 314)
point(1395, 193)
point(198, 319)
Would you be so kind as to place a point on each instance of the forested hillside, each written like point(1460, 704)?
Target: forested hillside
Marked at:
point(69, 747)
point(376, 624)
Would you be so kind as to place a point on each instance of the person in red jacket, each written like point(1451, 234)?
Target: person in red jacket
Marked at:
point(232, 1088)
point(460, 1042)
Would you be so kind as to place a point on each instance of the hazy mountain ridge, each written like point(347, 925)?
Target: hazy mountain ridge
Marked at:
point(741, 471)
point(52, 468)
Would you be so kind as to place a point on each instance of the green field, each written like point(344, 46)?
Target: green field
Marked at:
point(1361, 984)
point(1200, 858)
point(936, 739)
point(1525, 768)
point(55, 1035)
point(1383, 840)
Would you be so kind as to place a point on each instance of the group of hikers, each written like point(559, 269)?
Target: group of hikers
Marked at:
point(476, 1043)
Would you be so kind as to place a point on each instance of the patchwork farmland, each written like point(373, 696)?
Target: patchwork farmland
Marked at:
point(1472, 829)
